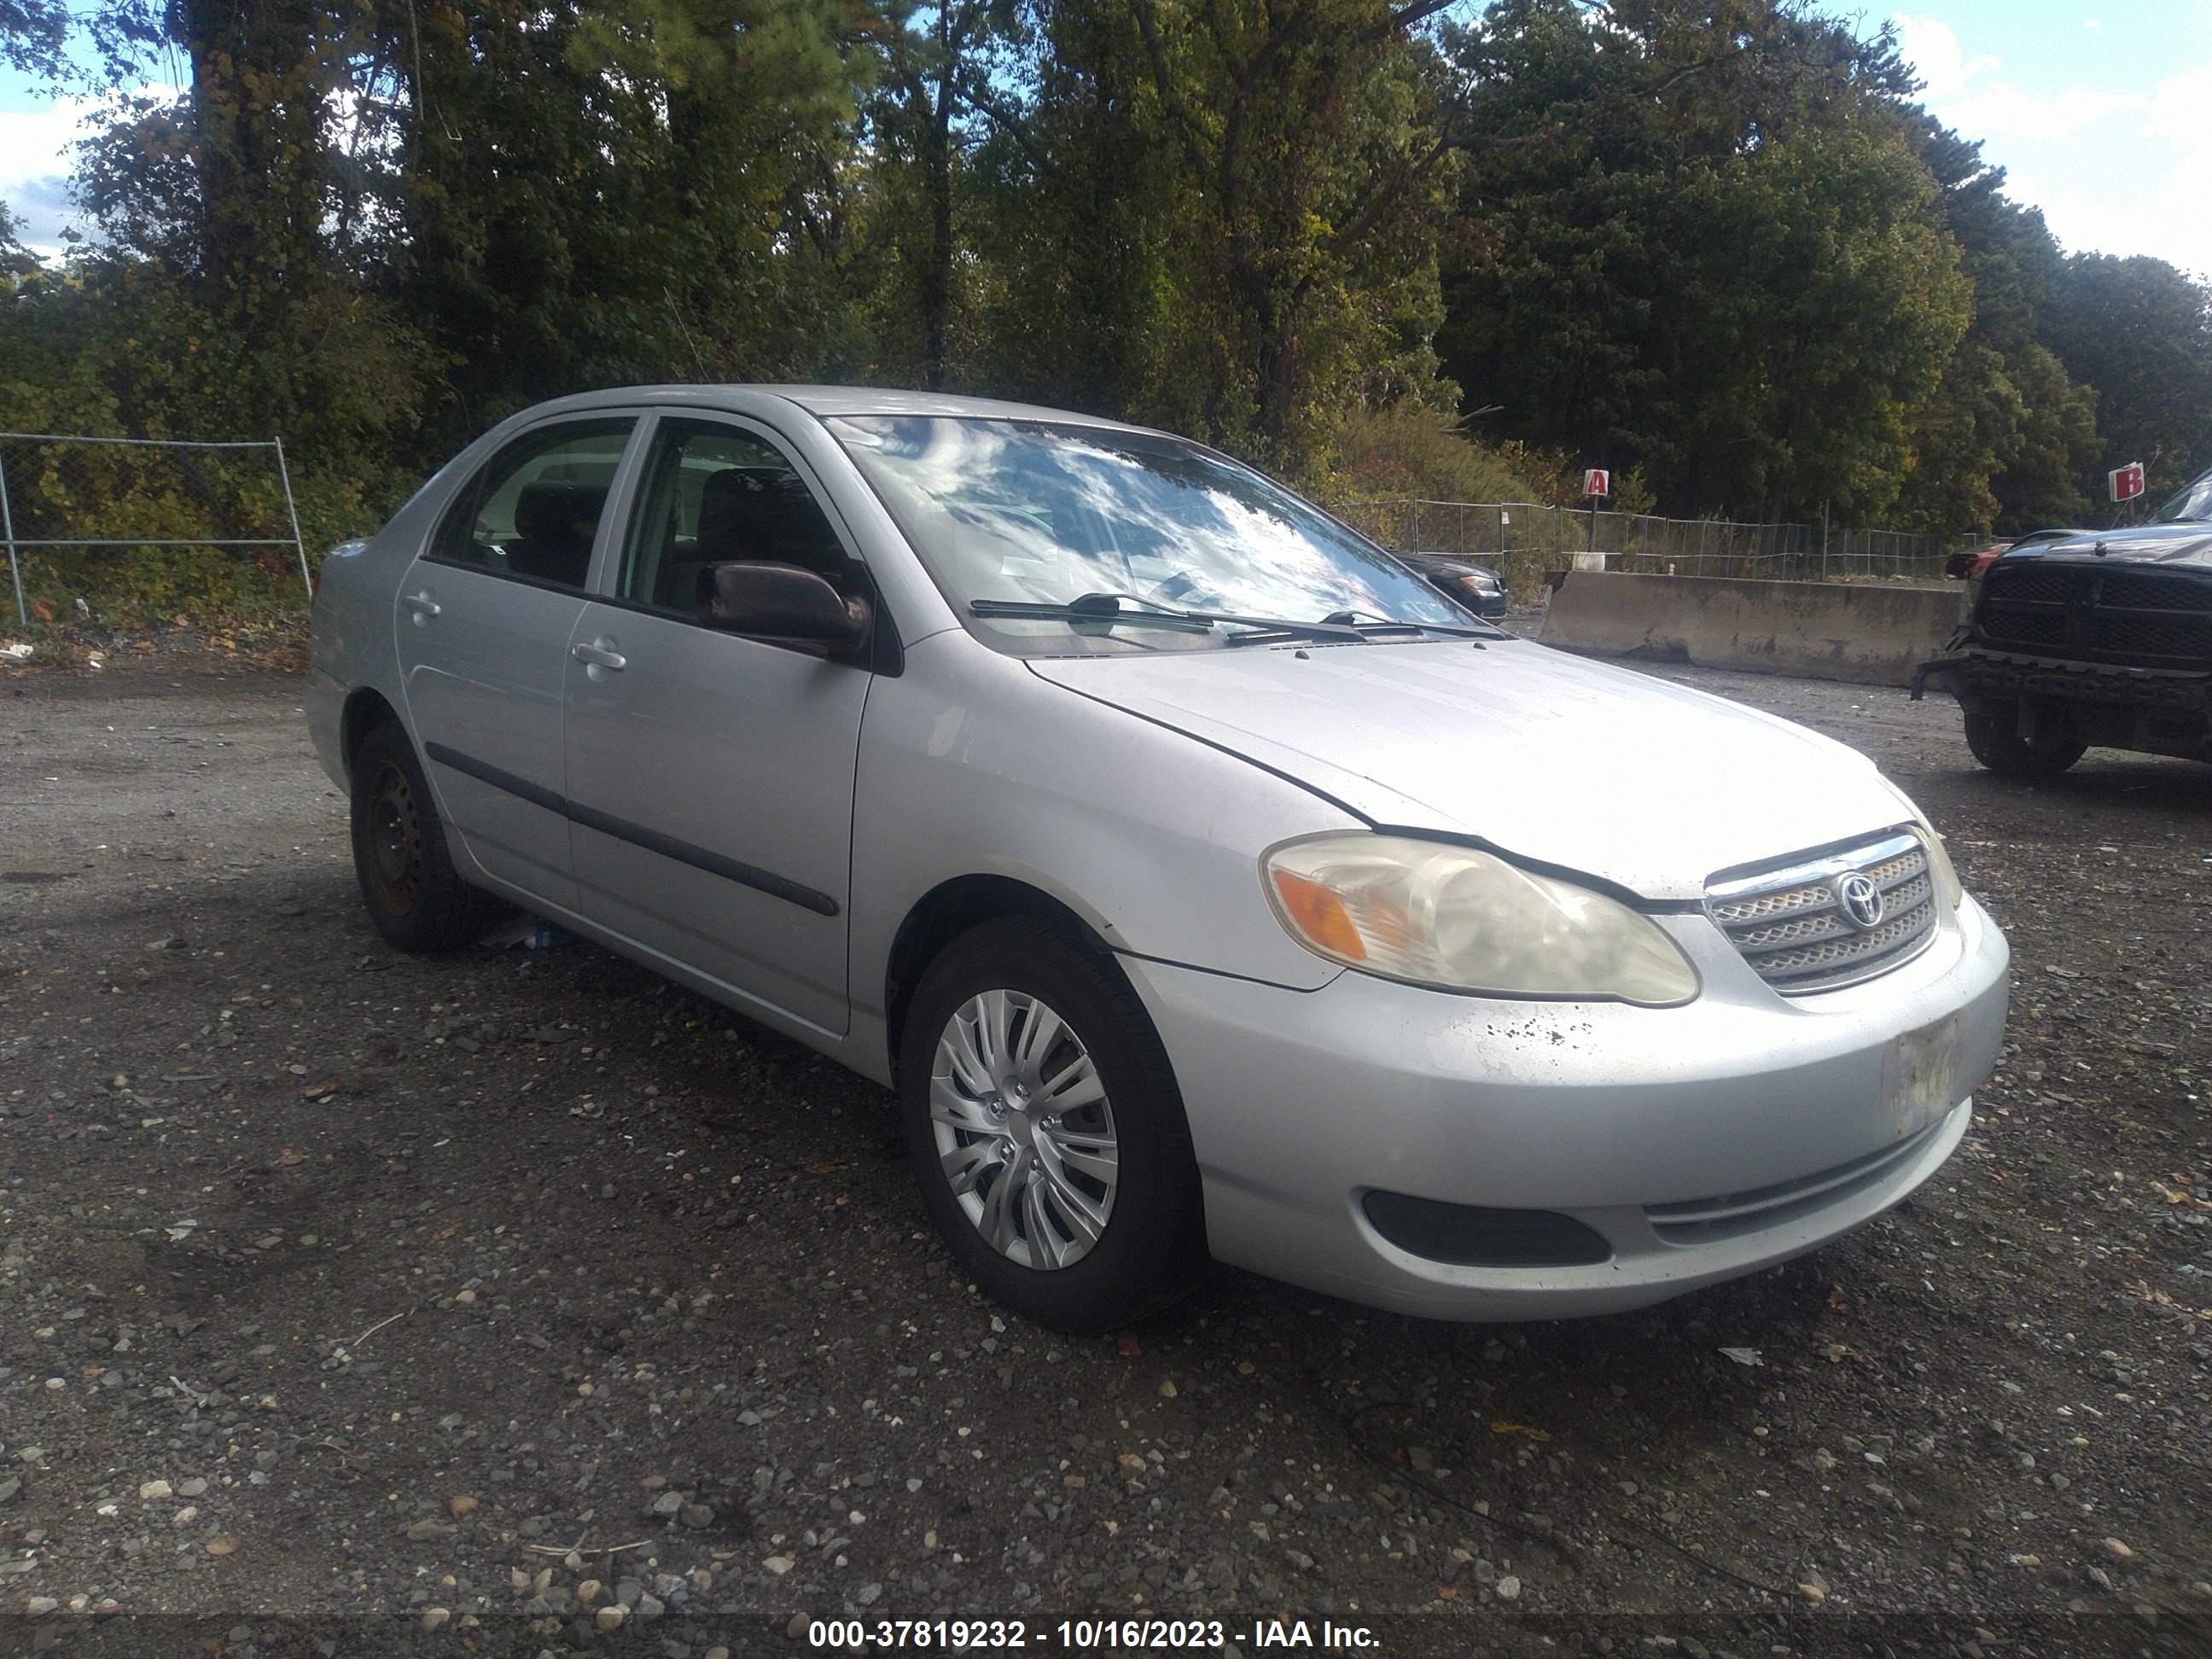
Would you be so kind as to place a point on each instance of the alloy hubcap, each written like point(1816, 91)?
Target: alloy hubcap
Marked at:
point(1024, 1129)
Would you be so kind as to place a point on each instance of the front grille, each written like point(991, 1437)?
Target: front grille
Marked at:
point(2031, 582)
point(2148, 618)
point(2140, 635)
point(1790, 923)
point(2026, 627)
point(2151, 590)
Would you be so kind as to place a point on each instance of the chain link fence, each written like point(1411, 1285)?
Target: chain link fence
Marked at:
point(178, 511)
point(1523, 540)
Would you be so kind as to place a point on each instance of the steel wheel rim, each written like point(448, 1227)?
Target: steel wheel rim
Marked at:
point(1023, 1130)
point(395, 839)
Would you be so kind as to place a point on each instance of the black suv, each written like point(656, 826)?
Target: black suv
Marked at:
point(2089, 636)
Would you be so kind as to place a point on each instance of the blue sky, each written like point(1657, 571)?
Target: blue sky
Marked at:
point(2100, 110)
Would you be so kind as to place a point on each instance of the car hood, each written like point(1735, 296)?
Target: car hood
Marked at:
point(2189, 543)
point(1651, 786)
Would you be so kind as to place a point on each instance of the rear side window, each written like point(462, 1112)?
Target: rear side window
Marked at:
point(534, 509)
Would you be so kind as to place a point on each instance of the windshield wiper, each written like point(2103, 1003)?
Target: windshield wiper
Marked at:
point(1393, 625)
point(1109, 608)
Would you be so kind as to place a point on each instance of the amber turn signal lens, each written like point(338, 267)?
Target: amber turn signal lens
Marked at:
point(1320, 916)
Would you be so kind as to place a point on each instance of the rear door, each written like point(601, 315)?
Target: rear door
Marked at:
point(485, 618)
point(710, 777)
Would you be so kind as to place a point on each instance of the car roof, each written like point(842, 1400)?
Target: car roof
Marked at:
point(826, 401)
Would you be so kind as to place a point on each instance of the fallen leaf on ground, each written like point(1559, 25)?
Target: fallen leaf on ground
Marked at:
point(1501, 1426)
point(1744, 1356)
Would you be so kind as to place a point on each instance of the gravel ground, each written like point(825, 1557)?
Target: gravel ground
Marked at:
point(347, 1299)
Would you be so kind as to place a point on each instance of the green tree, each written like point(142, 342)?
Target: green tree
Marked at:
point(1079, 207)
point(2141, 332)
point(32, 35)
point(17, 263)
point(938, 97)
point(1305, 141)
point(2008, 438)
point(620, 191)
point(1700, 245)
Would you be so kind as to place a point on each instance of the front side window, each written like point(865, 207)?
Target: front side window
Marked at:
point(715, 493)
point(1035, 512)
point(534, 508)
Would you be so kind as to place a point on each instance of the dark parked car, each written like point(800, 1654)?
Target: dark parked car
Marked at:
point(1477, 587)
point(2087, 637)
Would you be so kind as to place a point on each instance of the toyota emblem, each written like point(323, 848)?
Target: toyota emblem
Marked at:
point(1860, 900)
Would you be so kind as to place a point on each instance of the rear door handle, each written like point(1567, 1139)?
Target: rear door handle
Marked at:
point(598, 655)
point(420, 604)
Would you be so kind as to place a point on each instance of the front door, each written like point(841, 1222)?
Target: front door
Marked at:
point(710, 777)
point(485, 618)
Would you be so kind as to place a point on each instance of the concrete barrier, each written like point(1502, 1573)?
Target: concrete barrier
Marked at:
point(1872, 634)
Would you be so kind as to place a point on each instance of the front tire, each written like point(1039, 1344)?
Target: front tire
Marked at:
point(414, 895)
point(1043, 1126)
point(1993, 734)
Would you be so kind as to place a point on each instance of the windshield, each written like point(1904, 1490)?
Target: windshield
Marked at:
point(2194, 502)
point(1029, 510)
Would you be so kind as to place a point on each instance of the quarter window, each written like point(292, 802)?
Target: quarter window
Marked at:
point(534, 509)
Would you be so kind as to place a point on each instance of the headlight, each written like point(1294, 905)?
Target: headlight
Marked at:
point(1939, 860)
point(1459, 920)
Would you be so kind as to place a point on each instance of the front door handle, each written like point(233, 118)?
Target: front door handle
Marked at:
point(598, 654)
point(422, 604)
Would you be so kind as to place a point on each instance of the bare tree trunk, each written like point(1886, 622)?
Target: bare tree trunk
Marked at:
point(257, 145)
point(937, 280)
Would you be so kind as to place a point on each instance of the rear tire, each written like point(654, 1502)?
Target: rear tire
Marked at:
point(1044, 1127)
point(1993, 734)
point(415, 897)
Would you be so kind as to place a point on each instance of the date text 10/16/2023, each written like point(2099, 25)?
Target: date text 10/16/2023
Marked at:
point(1086, 1635)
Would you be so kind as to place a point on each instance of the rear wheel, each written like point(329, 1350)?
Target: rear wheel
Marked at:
point(414, 895)
point(1044, 1125)
point(1993, 733)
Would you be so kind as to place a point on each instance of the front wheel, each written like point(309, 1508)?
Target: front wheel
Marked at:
point(1044, 1125)
point(1993, 734)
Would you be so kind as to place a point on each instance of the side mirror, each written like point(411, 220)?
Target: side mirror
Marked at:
point(782, 605)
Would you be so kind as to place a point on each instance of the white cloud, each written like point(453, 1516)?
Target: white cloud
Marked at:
point(2122, 171)
point(2001, 110)
point(37, 157)
point(1931, 46)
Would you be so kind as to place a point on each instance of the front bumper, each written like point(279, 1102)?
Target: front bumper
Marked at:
point(1993, 676)
point(1702, 1143)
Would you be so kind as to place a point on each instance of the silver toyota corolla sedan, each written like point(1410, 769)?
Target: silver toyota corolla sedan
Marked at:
point(1205, 882)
